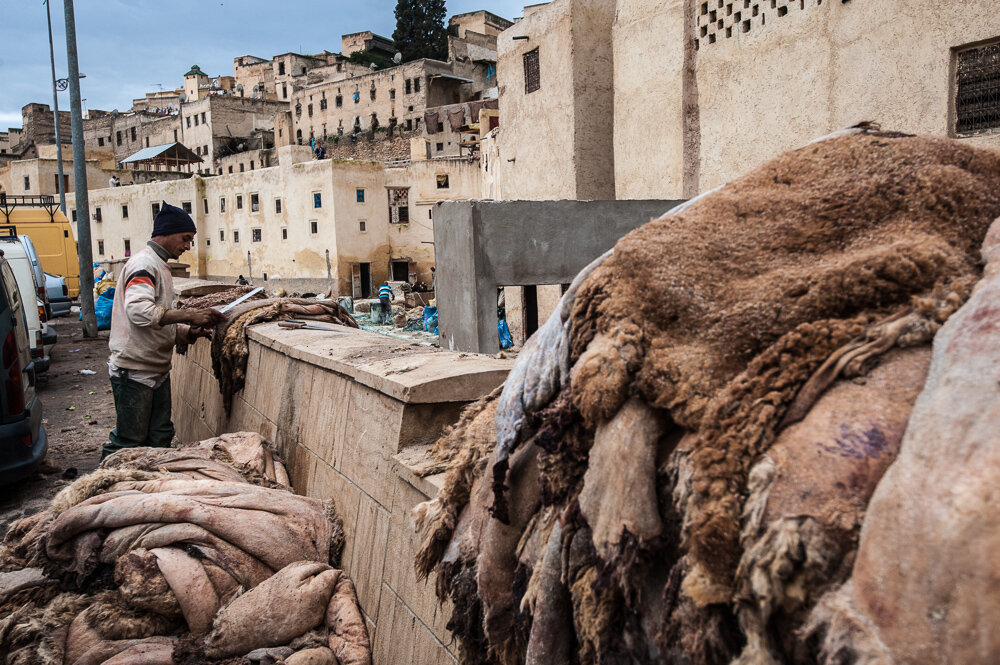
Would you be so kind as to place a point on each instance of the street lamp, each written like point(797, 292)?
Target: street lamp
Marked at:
point(62, 84)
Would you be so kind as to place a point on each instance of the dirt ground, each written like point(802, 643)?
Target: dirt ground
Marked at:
point(77, 412)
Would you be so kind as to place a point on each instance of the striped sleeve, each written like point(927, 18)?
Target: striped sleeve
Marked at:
point(140, 299)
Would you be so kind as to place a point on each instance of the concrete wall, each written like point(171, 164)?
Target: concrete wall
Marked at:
point(355, 431)
point(481, 246)
point(687, 120)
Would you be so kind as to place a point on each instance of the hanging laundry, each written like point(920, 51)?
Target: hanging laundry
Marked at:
point(456, 118)
point(432, 120)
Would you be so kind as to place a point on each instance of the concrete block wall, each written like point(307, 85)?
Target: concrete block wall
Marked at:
point(351, 413)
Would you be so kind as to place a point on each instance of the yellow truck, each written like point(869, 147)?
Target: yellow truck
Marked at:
point(40, 218)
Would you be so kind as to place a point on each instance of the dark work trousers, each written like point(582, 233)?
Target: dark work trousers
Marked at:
point(142, 415)
point(386, 310)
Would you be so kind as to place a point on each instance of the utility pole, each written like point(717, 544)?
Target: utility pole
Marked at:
point(55, 112)
point(84, 250)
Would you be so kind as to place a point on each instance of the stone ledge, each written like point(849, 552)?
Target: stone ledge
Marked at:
point(411, 373)
point(411, 465)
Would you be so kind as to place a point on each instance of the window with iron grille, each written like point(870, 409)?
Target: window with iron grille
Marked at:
point(186, 206)
point(156, 209)
point(124, 211)
point(977, 89)
point(399, 201)
point(100, 247)
point(532, 78)
point(255, 235)
point(254, 203)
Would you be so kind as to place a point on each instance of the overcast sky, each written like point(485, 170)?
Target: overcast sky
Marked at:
point(129, 47)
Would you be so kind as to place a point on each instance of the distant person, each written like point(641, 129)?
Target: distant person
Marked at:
point(433, 279)
point(385, 297)
point(144, 331)
point(242, 281)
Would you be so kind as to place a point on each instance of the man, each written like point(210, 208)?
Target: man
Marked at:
point(242, 281)
point(144, 331)
point(385, 297)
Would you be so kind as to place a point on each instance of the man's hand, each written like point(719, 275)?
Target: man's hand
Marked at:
point(195, 332)
point(202, 317)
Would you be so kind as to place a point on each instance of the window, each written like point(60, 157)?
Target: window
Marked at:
point(409, 86)
point(309, 110)
point(416, 85)
point(372, 93)
point(118, 136)
point(175, 136)
point(977, 89)
point(208, 242)
point(124, 212)
point(281, 68)
point(27, 183)
point(241, 169)
point(97, 214)
point(230, 169)
point(100, 140)
point(317, 200)
point(147, 141)
point(204, 203)
point(222, 235)
point(133, 133)
point(314, 227)
point(439, 147)
point(360, 193)
point(72, 214)
point(236, 236)
point(65, 183)
point(284, 91)
point(339, 101)
point(239, 201)
point(254, 235)
point(203, 117)
point(322, 104)
point(254, 203)
point(409, 124)
point(298, 109)
point(251, 165)
point(204, 150)
point(442, 181)
point(128, 248)
point(277, 206)
point(100, 247)
point(189, 122)
point(361, 224)
point(156, 209)
point(284, 234)
point(392, 93)
point(196, 120)
point(532, 78)
point(186, 206)
point(399, 201)
point(220, 170)
point(222, 204)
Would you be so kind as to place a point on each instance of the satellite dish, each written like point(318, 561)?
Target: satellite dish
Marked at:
point(373, 66)
point(182, 97)
point(215, 83)
point(398, 58)
point(239, 87)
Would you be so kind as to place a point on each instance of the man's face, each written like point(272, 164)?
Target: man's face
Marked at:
point(177, 243)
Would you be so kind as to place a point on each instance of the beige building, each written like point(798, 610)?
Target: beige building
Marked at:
point(305, 224)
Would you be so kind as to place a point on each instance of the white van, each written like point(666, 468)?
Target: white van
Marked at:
point(24, 274)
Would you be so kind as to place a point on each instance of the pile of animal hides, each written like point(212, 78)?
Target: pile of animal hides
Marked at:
point(229, 343)
point(162, 556)
point(757, 431)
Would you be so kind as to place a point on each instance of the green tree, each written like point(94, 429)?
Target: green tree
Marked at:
point(420, 29)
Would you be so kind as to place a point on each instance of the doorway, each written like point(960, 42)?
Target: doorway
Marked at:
point(366, 280)
point(400, 271)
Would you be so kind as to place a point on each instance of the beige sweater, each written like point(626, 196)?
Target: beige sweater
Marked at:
point(144, 293)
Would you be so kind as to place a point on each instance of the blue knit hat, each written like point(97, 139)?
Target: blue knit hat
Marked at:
point(171, 220)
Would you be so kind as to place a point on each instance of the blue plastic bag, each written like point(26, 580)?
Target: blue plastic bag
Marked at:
point(102, 308)
point(431, 319)
point(506, 341)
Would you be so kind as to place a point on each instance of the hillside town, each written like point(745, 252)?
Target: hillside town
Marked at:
point(613, 331)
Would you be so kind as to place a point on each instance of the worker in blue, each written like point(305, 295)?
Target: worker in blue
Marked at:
point(385, 296)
